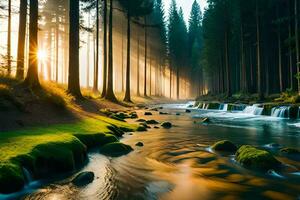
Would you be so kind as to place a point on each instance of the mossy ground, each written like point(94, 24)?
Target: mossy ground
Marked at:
point(57, 148)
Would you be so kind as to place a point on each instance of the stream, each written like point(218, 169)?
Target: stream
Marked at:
point(177, 163)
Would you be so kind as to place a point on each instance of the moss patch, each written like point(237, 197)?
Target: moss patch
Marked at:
point(254, 158)
point(224, 145)
point(57, 148)
point(115, 149)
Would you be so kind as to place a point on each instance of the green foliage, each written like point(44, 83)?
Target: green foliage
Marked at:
point(224, 145)
point(254, 158)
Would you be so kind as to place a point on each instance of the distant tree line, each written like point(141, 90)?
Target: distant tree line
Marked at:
point(251, 46)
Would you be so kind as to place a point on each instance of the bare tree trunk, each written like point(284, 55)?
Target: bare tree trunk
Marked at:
point(96, 70)
point(127, 90)
point(290, 50)
point(109, 92)
point(56, 44)
point(146, 49)
point(9, 40)
point(138, 66)
point(228, 77)
point(88, 53)
point(122, 71)
point(104, 49)
point(74, 39)
point(21, 39)
point(32, 79)
point(297, 42)
point(279, 54)
point(259, 73)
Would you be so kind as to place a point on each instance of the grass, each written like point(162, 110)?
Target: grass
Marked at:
point(53, 149)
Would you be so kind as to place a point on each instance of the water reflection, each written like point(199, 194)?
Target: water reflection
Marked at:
point(176, 163)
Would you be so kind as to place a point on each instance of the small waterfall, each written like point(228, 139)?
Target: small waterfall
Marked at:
point(223, 107)
point(282, 112)
point(28, 176)
point(253, 110)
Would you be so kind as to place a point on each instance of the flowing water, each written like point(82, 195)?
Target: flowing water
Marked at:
point(177, 163)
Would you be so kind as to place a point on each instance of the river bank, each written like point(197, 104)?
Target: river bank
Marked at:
point(178, 163)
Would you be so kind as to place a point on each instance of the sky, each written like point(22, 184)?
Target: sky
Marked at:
point(186, 6)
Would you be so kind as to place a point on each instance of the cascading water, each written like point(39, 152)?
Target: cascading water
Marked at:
point(253, 110)
point(282, 111)
point(28, 175)
point(223, 107)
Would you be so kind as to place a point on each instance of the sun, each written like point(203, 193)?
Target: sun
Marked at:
point(42, 55)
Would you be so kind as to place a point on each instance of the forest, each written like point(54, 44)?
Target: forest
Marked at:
point(149, 99)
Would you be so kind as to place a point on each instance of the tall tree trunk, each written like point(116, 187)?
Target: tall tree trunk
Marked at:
point(74, 39)
point(56, 44)
point(32, 79)
point(227, 66)
point(127, 90)
point(122, 63)
point(146, 49)
point(290, 49)
point(243, 65)
point(109, 92)
point(150, 71)
point(49, 63)
point(259, 71)
point(170, 81)
point(104, 49)
point(9, 40)
point(96, 70)
point(279, 53)
point(21, 39)
point(297, 43)
point(177, 81)
point(88, 53)
point(138, 66)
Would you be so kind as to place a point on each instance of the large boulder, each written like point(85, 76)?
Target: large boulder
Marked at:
point(166, 124)
point(224, 145)
point(115, 149)
point(83, 179)
point(254, 158)
point(141, 128)
point(148, 113)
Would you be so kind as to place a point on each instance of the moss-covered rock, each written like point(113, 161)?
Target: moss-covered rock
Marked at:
point(166, 124)
point(83, 179)
point(116, 131)
point(224, 145)
point(141, 120)
point(163, 113)
point(254, 158)
point(11, 178)
point(152, 121)
point(52, 158)
point(148, 113)
point(290, 151)
point(115, 149)
point(96, 139)
point(141, 128)
point(139, 144)
point(116, 117)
